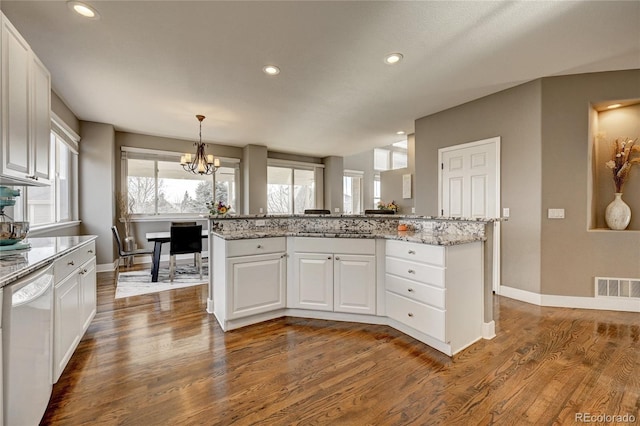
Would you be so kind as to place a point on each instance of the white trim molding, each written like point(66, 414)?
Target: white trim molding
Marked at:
point(606, 304)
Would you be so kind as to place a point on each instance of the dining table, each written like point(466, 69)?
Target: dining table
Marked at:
point(158, 238)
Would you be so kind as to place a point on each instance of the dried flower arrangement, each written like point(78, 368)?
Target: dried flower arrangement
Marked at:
point(623, 160)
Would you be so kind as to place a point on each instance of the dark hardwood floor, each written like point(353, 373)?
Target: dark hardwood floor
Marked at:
point(160, 359)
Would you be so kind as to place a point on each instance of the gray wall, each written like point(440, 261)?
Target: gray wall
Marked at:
point(96, 189)
point(62, 110)
point(255, 179)
point(514, 115)
point(333, 174)
point(572, 256)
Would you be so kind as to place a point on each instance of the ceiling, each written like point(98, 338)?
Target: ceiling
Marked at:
point(150, 66)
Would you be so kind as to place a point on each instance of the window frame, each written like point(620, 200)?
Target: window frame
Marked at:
point(318, 180)
point(127, 153)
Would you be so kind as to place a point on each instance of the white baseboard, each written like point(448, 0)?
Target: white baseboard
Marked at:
point(606, 304)
point(489, 330)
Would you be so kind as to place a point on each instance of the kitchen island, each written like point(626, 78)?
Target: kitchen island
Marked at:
point(427, 281)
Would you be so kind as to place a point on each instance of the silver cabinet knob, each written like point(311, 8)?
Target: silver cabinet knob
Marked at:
point(410, 290)
point(70, 263)
point(329, 257)
point(412, 252)
point(411, 271)
point(337, 258)
point(410, 314)
point(90, 251)
point(259, 246)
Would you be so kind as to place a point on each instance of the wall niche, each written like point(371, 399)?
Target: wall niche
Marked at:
point(607, 124)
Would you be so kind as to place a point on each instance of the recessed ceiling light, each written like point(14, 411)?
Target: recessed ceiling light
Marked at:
point(83, 9)
point(393, 58)
point(271, 70)
point(614, 106)
point(400, 132)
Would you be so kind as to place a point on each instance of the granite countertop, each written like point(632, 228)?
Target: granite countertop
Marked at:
point(43, 251)
point(354, 216)
point(431, 238)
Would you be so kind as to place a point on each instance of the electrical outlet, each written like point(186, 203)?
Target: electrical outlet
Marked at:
point(555, 213)
point(413, 209)
point(261, 210)
point(505, 212)
point(336, 209)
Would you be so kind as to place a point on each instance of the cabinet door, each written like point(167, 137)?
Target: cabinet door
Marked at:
point(40, 125)
point(88, 293)
point(66, 322)
point(312, 281)
point(15, 103)
point(355, 283)
point(256, 284)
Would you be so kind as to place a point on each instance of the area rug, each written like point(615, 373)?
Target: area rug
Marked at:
point(139, 282)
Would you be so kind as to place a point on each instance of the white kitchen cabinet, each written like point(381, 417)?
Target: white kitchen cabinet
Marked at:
point(312, 285)
point(334, 274)
point(25, 111)
point(435, 293)
point(74, 303)
point(249, 279)
point(256, 284)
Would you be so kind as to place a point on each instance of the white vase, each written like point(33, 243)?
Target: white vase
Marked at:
point(618, 213)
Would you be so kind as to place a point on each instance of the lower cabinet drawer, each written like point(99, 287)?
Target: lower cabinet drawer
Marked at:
point(423, 318)
point(70, 262)
point(417, 291)
point(255, 246)
point(414, 271)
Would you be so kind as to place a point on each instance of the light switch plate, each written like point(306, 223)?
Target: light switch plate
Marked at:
point(505, 212)
point(336, 209)
point(413, 209)
point(555, 213)
point(261, 211)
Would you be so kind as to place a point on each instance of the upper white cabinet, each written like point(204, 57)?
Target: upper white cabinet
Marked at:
point(25, 118)
point(334, 274)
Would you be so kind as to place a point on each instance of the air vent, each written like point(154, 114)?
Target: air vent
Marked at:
point(618, 287)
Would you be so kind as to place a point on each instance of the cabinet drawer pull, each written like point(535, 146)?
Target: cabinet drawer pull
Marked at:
point(410, 290)
point(410, 314)
point(90, 251)
point(412, 252)
point(337, 258)
point(70, 263)
point(411, 271)
point(283, 256)
point(259, 246)
point(329, 257)
point(34, 177)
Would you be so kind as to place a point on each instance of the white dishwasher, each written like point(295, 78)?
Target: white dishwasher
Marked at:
point(27, 330)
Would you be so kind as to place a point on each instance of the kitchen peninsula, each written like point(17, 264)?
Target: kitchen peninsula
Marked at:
point(427, 281)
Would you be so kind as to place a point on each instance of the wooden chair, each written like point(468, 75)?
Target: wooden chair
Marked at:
point(122, 253)
point(185, 239)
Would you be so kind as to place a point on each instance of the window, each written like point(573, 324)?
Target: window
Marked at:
point(399, 160)
point(290, 189)
point(157, 184)
point(381, 159)
point(55, 203)
point(352, 192)
point(392, 157)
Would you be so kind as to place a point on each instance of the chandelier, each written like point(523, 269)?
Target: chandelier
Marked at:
point(200, 164)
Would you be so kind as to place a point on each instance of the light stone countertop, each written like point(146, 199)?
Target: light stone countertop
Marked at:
point(44, 250)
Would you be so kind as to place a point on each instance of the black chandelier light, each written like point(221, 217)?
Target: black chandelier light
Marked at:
point(201, 164)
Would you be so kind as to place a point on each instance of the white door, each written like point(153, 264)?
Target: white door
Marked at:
point(470, 186)
point(469, 180)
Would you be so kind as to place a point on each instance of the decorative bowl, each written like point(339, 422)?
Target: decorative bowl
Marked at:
point(13, 232)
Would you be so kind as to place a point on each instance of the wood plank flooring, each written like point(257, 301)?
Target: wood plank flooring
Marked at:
point(160, 359)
